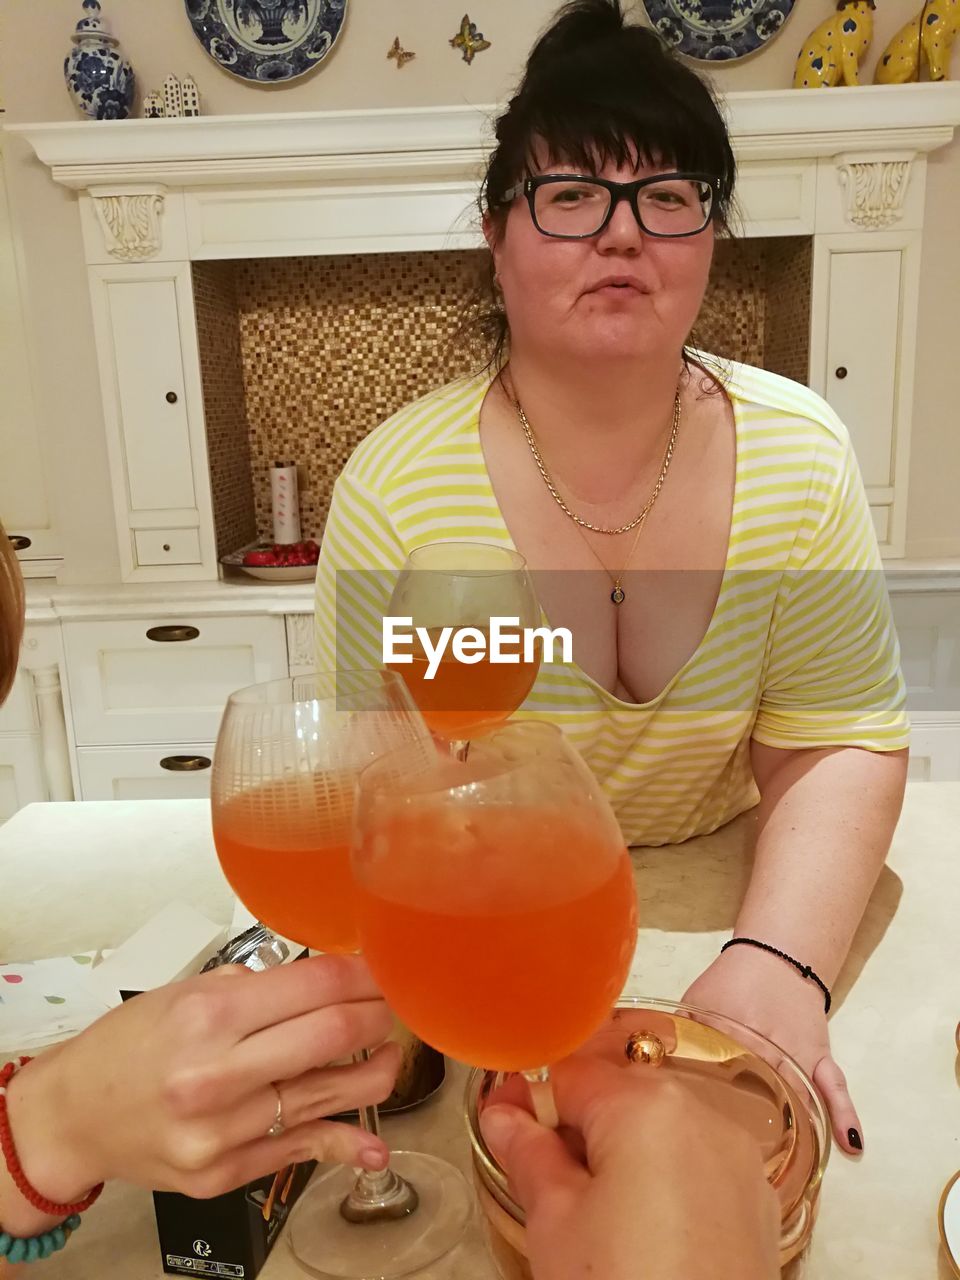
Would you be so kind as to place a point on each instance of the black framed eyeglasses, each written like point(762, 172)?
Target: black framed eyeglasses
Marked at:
point(571, 206)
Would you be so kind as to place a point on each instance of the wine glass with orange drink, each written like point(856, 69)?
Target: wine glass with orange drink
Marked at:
point(283, 795)
point(452, 586)
point(495, 899)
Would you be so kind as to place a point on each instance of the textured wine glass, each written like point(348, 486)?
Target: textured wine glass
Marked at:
point(487, 885)
point(458, 585)
point(283, 793)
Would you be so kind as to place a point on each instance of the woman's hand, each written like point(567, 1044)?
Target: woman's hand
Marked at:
point(770, 996)
point(176, 1089)
point(641, 1181)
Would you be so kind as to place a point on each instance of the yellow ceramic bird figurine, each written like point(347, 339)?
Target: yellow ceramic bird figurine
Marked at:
point(930, 35)
point(832, 51)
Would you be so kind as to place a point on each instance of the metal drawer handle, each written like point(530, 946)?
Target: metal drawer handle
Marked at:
point(20, 541)
point(169, 634)
point(185, 764)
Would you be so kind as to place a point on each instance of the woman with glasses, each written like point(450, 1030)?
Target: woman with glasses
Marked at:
point(700, 526)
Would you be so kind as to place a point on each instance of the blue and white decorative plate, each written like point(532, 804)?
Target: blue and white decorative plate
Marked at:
point(267, 40)
point(717, 30)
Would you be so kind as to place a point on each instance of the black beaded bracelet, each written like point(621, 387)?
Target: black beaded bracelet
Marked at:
point(803, 969)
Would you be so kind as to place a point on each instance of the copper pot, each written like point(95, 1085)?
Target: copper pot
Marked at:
point(732, 1069)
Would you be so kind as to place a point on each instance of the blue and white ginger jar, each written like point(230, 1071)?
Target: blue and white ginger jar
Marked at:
point(99, 77)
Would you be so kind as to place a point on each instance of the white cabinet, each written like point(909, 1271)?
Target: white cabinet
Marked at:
point(935, 752)
point(21, 757)
point(35, 756)
point(135, 682)
point(24, 503)
point(147, 696)
point(862, 357)
point(21, 773)
point(153, 405)
point(928, 626)
point(145, 773)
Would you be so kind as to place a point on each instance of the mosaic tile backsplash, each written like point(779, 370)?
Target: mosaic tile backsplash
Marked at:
point(330, 347)
point(225, 412)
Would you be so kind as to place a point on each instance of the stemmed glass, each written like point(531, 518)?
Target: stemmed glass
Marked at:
point(283, 795)
point(495, 899)
point(465, 585)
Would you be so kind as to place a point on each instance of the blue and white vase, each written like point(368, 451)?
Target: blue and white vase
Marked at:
point(99, 77)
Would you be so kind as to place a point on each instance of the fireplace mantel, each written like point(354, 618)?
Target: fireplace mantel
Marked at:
point(264, 148)
point(845, 168)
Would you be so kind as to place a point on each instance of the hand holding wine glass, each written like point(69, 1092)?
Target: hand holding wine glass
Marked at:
point(495, 897)
point(283, 793)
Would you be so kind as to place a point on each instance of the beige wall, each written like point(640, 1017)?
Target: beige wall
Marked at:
point(156, 35)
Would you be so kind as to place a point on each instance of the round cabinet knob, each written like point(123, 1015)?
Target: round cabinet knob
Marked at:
point(171, 397)
point(166, 546)
point(841, 373)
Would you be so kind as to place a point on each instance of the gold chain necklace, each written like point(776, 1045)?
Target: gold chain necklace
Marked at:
point(585, 524)
point(618, 595)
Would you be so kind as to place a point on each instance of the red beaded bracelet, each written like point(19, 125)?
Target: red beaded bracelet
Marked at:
point(13, 1162)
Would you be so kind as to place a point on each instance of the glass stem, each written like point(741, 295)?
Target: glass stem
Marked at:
point(541, 1095)
point(380, 1195)
point(459, 748)
point(369, 1115)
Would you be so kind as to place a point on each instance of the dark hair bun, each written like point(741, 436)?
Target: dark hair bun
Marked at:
point(579, 23)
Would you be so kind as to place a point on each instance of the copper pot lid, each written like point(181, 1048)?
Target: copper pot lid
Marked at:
point(729, 1067)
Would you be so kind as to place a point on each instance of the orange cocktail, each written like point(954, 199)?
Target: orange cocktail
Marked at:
point(463, 699)
point(502, 933)
point(292, 872)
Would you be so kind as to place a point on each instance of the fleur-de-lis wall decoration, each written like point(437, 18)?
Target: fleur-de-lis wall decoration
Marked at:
point(401, 55)
point(469, 40)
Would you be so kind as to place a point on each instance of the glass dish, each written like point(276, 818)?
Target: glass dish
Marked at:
point(733, 1070)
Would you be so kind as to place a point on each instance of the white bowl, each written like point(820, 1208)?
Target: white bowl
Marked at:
point(280, 572)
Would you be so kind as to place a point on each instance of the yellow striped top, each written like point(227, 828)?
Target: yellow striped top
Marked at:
point(800, 651)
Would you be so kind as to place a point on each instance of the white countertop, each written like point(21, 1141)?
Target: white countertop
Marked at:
point(896, 1007)
point(49, 602)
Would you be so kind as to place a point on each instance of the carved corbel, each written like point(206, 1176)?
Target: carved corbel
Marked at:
point(875, 188)
point(130, 220)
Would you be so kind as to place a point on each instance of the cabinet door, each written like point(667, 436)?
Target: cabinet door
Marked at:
point(862, 355)
point(21, 773)
point(165, 679)
point(145, 773)
point(24, 506)
point(18, 715)
point(935, 752)
point(153, 406)
point(863, 334)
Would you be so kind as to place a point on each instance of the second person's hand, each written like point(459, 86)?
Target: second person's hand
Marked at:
point(641, 1180)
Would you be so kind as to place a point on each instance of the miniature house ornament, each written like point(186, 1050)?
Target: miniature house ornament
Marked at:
point(98, 76)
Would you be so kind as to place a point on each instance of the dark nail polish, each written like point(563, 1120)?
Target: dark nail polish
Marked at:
point(853, 1137)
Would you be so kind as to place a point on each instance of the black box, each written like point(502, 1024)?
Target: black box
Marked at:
point(229, 1235)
